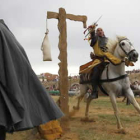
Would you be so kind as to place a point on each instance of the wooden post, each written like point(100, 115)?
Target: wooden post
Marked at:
point(63, 72)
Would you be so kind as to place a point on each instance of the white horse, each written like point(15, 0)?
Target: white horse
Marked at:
point(114, 78)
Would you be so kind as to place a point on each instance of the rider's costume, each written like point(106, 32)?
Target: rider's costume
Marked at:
point(100, 50)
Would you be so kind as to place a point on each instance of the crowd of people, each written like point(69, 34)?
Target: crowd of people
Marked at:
point(133, 71)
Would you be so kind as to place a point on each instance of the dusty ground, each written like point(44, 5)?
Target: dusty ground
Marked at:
point(103, 126)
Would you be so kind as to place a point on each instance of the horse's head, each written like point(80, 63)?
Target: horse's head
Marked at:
point(126, 49)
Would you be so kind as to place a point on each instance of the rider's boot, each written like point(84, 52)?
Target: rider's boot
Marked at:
point(94, 93)
point(94, 80)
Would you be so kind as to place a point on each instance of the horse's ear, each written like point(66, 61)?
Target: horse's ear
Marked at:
point(119, 38)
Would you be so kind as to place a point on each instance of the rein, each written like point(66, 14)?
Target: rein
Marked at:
point(110, 80)
point(113, 79)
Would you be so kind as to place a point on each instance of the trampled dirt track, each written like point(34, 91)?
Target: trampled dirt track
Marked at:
point(103, 126)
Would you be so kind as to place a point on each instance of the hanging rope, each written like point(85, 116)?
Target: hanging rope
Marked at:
point(47, 30)
point(46, 48)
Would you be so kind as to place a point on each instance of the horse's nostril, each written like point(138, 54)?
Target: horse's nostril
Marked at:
point(137, 54)
point(134, 55)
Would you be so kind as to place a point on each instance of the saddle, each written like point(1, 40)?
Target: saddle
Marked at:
point(93, 57)
point(89, 77)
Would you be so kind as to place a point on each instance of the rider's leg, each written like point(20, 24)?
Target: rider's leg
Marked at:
point(94, 80)
point(94, 93)
point(2, 133)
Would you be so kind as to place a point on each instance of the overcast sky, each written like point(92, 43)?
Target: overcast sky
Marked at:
point(27, 20)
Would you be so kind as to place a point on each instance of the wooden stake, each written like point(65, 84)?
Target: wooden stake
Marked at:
point(63, 72)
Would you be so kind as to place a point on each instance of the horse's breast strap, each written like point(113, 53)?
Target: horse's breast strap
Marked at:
point(113, 79)
point(110, 80)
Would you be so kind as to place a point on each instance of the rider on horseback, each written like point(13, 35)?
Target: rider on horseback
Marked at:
point(98, 42)
point(101, 56)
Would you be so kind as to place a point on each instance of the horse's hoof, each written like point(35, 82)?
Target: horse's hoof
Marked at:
point(75, 108)
point(122, 131)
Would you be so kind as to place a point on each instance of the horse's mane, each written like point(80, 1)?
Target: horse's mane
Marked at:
point(111, 44)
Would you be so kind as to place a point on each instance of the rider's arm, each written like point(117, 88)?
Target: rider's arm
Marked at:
point(93, 38)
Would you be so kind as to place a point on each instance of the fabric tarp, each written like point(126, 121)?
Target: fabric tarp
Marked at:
point(24, 102)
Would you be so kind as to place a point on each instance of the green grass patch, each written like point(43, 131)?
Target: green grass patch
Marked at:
point(104, 102)
point(92, 134)
point(130, 119)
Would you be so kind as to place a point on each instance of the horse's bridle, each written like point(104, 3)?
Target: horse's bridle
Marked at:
point(127, 53)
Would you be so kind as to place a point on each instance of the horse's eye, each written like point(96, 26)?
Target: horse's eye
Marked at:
point(123, 44)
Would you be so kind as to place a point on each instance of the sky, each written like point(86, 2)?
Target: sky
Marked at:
point(27, 20)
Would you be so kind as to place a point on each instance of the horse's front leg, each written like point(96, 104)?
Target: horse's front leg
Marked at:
point(130, 96)
point(116, 112)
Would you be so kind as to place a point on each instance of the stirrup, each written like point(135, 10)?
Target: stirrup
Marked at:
point(93, 95)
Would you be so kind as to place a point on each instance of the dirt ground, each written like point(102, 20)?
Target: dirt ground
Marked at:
point(102, 124)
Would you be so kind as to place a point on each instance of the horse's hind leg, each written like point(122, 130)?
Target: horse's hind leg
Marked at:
point(116, 112)
point(124, 99)
point(77, 107)
point(2, 133)
point(83, 90)
point(87, 107)
point(86, 118)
